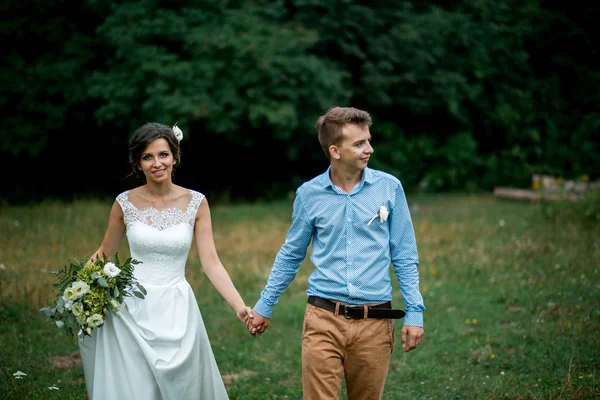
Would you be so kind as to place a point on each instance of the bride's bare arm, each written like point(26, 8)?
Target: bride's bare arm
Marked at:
point(212, 266)
point(115, 231)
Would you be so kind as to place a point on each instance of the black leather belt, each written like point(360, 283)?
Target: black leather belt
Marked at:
point(383, 310)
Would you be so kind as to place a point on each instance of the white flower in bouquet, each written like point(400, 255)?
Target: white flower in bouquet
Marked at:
point(68, 297)
point(80, 288)
point(77, 309)
point(111, 270)
point(89, 290)
point(114, 304)
point(95, 320)
point(81, 319)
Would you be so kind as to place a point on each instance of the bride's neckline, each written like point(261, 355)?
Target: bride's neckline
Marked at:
point(153, 208)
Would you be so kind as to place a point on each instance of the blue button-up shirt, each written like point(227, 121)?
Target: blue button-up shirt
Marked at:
point(351, 256)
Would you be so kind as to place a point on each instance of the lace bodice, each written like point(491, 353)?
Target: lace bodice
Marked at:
point(160, 239)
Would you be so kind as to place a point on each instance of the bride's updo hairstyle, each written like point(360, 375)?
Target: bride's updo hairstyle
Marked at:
point(145, 135)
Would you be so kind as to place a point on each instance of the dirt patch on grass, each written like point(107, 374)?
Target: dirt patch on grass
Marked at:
point(69, 361)
point(230, 378)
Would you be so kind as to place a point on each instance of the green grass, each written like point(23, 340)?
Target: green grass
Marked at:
point(512, 295)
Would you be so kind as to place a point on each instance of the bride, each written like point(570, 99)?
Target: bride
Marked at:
point(158, 347)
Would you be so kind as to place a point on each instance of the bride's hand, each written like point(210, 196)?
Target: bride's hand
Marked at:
point(245, 315)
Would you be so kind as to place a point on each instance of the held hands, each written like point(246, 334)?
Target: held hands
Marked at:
point(258, 324)
point(255, 322)
point(411, 337)
point(245, 314)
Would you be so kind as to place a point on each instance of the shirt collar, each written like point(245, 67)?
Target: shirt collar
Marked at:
point(367, 177)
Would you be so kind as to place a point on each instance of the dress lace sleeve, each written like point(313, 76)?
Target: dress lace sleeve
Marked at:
point(193, 206)
point(126, 206)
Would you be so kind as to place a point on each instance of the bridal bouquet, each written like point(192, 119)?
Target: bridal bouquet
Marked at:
point(88, 291)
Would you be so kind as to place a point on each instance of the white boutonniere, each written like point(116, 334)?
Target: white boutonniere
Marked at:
point(178, 133)
point(383, 214)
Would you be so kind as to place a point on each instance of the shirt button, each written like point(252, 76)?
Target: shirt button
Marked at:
point(349, 241)
point(349, 262)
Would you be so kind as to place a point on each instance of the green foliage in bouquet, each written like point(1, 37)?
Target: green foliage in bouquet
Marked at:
point(88, 291)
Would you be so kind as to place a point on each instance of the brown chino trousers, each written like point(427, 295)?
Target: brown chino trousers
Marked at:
point(334, 347)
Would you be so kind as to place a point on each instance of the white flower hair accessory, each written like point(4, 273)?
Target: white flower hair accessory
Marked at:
point(383, 215)
point(178, 133)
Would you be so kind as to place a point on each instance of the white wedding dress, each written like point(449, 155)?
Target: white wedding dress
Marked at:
point(158, 348)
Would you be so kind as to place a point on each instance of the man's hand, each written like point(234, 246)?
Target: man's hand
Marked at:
point(258, 324)
point(411, 337)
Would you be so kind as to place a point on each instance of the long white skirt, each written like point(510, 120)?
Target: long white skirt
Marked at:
point(157, 349)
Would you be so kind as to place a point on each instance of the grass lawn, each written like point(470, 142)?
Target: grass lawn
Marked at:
point(512, 292)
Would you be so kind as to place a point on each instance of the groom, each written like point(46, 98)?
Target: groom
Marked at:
point(359, 222)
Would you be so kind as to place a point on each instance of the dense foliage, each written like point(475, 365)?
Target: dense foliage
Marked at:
point(465, 95)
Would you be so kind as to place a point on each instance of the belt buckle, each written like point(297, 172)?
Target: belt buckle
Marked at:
point(346, 312)
point(346, 308)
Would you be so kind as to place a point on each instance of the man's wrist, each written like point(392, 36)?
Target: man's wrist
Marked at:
point(263, 309)
point(413, 318)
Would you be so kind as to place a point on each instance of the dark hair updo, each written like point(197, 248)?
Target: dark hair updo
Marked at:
point(147, 134)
